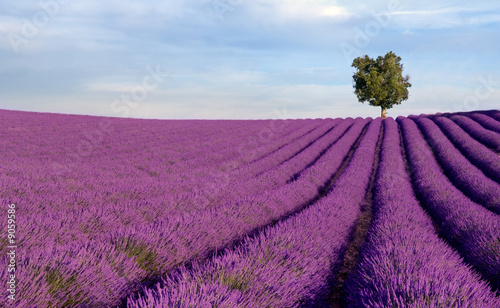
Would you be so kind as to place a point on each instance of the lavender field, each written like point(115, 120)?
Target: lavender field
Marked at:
point(113, 212)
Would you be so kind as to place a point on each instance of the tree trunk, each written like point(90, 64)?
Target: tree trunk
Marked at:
point(384, 113)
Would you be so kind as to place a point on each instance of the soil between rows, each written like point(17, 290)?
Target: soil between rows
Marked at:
point(351, 256)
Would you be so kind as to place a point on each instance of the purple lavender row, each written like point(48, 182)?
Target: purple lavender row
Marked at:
point(267, 139)
point(162, 166)
point(465, 176)
point(469, 227)
point(284, 266)
point(486, 121)
point(67, 274)
point(487, 137)
point(177, 239)
point(403, 262)
point(476, 152)
point(493, 113)
point(251, 140)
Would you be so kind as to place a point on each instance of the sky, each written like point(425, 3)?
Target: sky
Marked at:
point(242, 59)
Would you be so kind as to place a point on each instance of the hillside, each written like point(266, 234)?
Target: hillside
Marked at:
point(252, 213)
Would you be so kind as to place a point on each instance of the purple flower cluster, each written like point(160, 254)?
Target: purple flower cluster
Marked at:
point(403, 262)
point(469, 227)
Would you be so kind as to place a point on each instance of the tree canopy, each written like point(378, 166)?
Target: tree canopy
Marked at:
point(380, 82)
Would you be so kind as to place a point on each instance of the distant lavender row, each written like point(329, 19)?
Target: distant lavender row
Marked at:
point(290, 159)
point(467, 226)
point(477, 153)
point(486, 121)
point(290, 169)
point(403, 262)
point(299, 160)
point(493, 113)
point(285, 265)
point(467, 177)
point(285, 151)
point(487, 137)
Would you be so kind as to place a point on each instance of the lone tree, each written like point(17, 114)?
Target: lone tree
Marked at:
point(380, 82)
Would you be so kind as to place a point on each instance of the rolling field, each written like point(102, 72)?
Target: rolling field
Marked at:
point(348, 212)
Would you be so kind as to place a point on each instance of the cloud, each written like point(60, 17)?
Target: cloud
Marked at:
point(310, 9)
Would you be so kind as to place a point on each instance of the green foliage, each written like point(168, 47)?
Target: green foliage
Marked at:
point(146, 257)
point(61, 285)
point(235, 281)
point(380, 82)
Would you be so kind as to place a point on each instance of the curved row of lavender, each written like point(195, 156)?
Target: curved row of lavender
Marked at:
point(478, 154)
point(486, 121)
point(467, 177)
point(487, 137)
point(403, 262)
point(493, 113)
point(469, 227)
point(285, 265)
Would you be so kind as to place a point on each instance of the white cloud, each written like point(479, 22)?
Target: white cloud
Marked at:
point(301, 9)
point(335, 11)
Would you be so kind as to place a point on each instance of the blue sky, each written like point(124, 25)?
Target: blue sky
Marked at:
point(242, 59)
